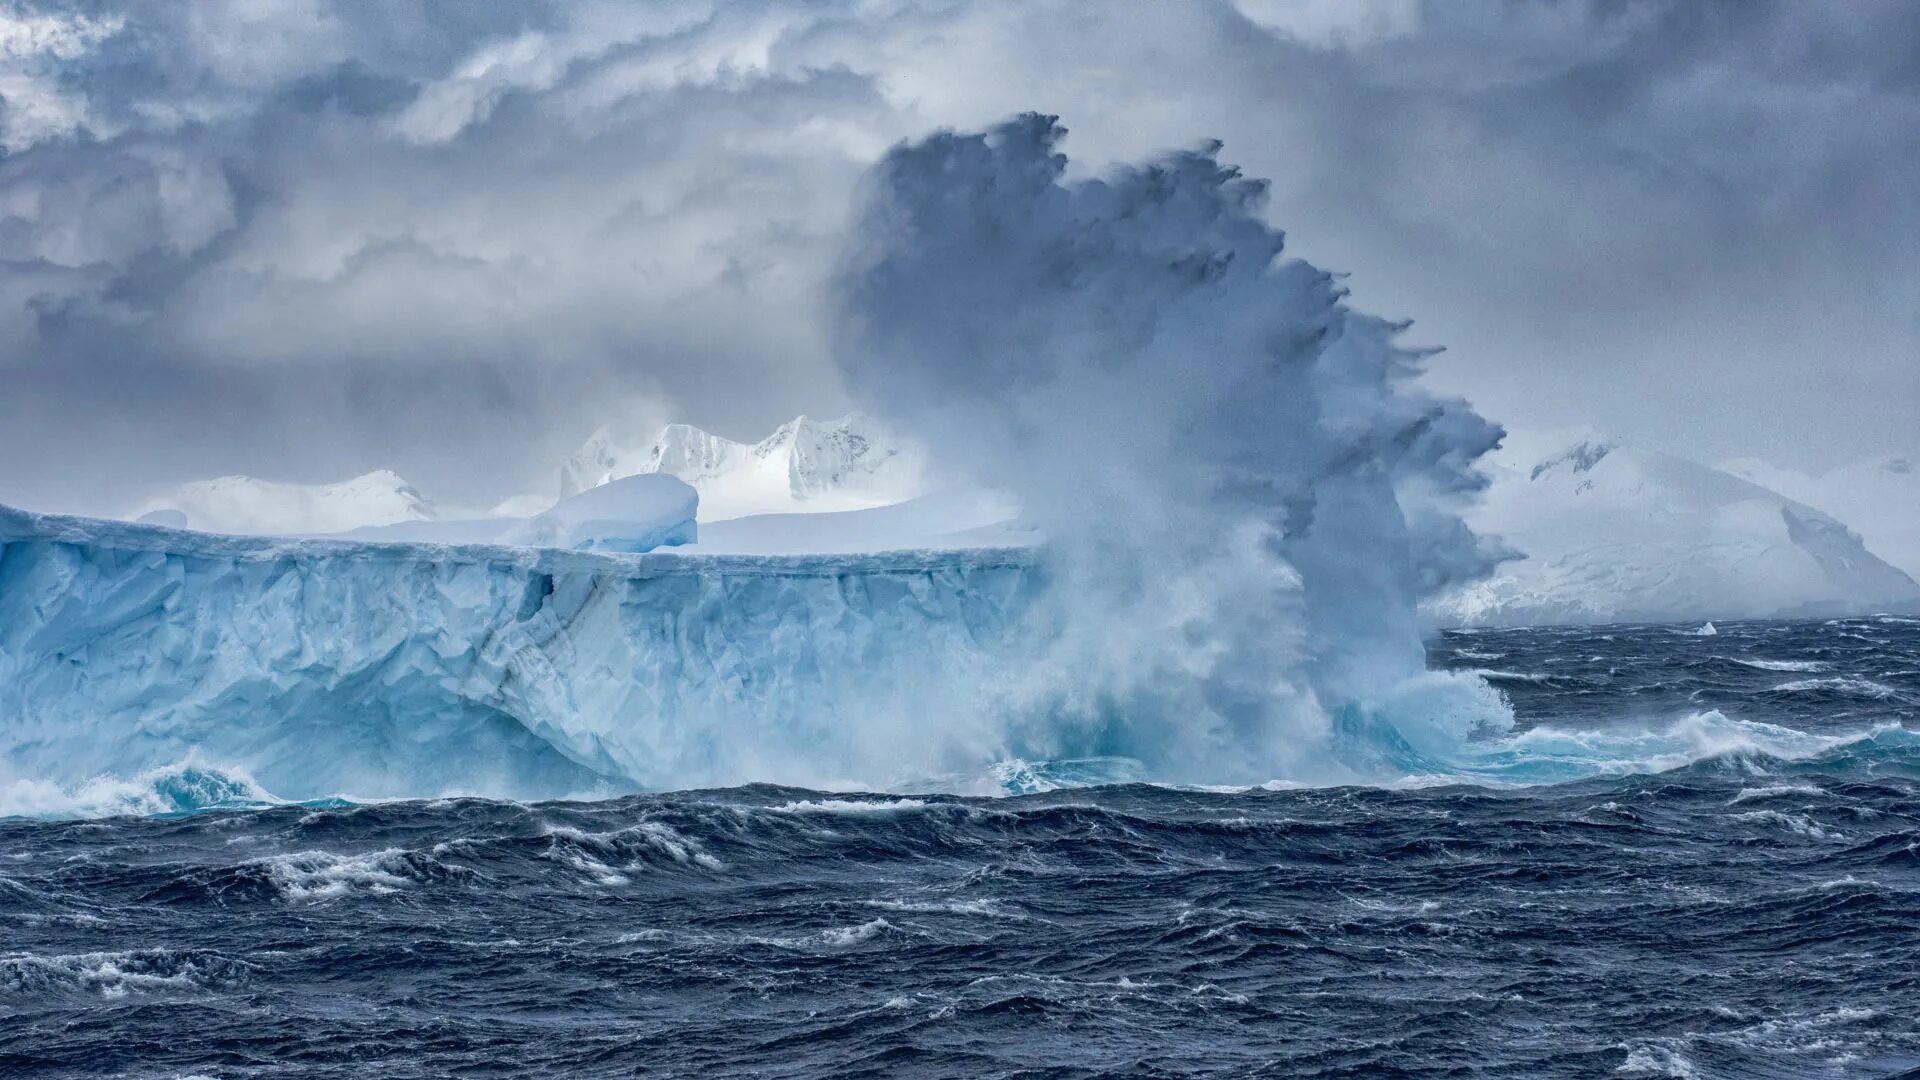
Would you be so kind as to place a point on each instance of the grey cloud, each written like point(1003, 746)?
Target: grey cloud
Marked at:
point(310, 238)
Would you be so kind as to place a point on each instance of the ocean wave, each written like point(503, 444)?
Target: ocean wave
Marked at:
point(1778, 665)
point(635, 847)
point(312, 876)
point(853, 806)
point(1849, 685)
point(1495, 675)
point(1775, 791)
point(1548, 754)
point(182, 788)
point(1794, 823)
point(116, 974)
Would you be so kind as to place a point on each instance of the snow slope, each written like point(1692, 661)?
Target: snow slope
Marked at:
point(805, 466)
point(1879, 496)
point(945, 520)
point(248, 506)
point(1612, 532)
point(320, 667)
point(951, 519)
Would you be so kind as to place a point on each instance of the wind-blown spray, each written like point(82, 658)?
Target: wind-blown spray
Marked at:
point(1244, 493)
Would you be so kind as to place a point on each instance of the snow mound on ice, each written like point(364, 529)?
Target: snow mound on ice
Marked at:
point(955, 519)
point(632, 514)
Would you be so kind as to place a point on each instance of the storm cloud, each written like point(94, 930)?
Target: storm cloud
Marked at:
point(307, 239)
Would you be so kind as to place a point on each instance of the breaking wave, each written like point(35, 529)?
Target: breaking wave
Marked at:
point(182, 788)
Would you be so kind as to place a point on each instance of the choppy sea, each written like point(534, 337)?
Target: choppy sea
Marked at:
point(1747, 914)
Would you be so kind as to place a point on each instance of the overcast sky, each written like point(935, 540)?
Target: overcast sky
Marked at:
point(302, 239)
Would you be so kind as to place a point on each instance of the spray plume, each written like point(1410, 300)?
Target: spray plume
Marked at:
point(1245, 494)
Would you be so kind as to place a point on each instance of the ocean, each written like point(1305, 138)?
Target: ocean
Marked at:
point(1731, 908)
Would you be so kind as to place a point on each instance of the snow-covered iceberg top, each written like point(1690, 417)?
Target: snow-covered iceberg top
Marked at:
point(634, 514)
point(128, 538)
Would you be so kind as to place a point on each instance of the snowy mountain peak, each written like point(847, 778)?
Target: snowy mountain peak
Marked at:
point(687, 452)
point(831, 455)
point(1580, 457)
point(804, 465)
point(249, 505)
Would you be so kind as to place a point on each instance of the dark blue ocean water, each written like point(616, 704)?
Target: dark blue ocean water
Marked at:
point(1749, 914)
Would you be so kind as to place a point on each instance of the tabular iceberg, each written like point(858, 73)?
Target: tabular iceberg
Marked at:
point(333, 667)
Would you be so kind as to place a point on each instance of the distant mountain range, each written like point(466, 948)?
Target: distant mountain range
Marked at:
point(1613, 532)
point(1610, 531)
point(247, 505)
point(806, 465)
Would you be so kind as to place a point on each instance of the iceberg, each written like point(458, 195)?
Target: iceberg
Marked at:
point(328, 667)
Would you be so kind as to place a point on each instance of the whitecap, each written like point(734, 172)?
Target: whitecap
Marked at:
point(182, 787)
point(852, 806)
point(1844, 684)
point(1773, 791)
point(1515, 676)
point(1793, 823)
point(324, 875)
point(1778, 665)
point(1657, 1061)
point(115, 974)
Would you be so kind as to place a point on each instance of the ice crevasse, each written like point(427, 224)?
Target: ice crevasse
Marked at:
point(367, 669)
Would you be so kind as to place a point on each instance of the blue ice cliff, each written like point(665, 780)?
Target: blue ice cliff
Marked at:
point(335, 667)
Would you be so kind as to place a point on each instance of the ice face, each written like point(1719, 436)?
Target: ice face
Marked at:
point(329, 667)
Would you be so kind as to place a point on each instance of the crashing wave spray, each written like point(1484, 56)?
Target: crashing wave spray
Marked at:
point(1245, 495)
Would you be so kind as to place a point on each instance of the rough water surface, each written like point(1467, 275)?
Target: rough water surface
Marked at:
point(1748, 914)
